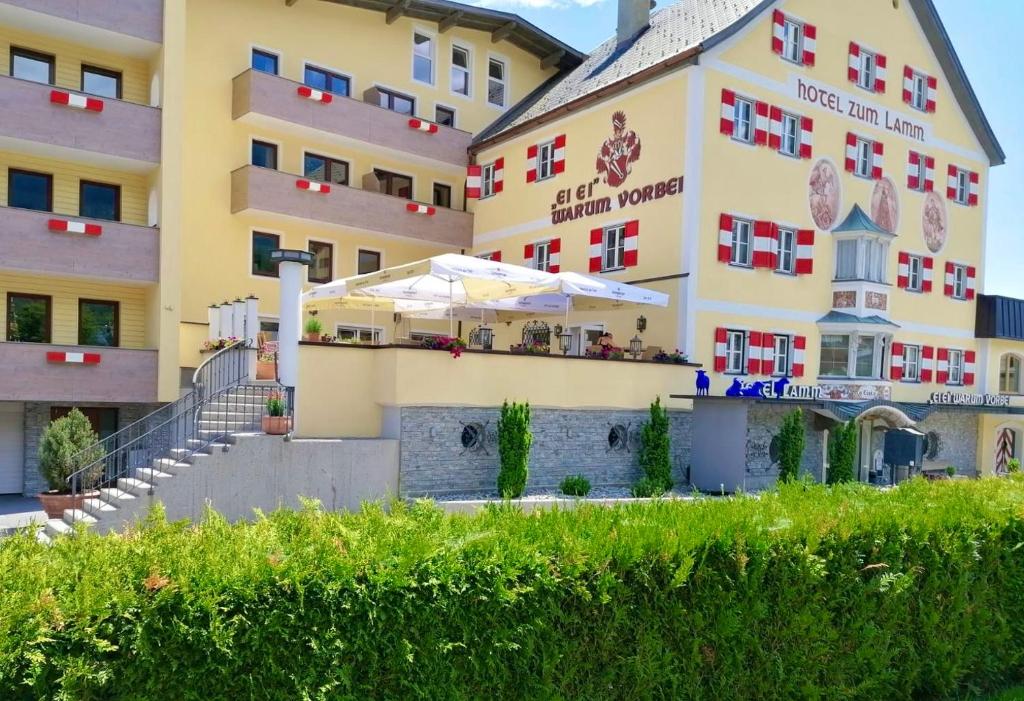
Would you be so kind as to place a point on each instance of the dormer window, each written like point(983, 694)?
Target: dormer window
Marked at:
point(862, 248)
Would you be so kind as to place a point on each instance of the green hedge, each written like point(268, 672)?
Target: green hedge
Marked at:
point(810, 593)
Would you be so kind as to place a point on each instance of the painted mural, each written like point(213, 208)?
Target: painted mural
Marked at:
point(824, 194)
point(885, 205)
point(618, 152)
point(934, 225)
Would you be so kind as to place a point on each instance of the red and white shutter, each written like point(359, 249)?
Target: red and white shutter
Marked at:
point(971, 281)
point(630, 254)
point(73, 358)
point(725, 122)
point(74, 227)
point(473, 177)
point(927, 273)
point(531, 164)
point(499, 175)
point(754, 353)
point(724, 238)
point(775, 127)
point(896, 362)
point(903, 270)
point(417, 208)
point(320, 96)
point(877, 151)
point(927, 363)
point(972, 192)
point(799, 352)
point(908, 85)
point(951, 177)
point(851, 152)
point(60, 97)
point(804, 251)
point(942, 366)
point(933, 86)
point(720, 345)
point(767, 353)
point(596, 243)
point(929, 173)
point(806, 136)
point(853, 63)
point(528, 255)
point(947, 288)
point(423, 125)
point(761, 123)
point(559, 163)
point(312, 186)
point(766, 248)
point(880, 73)
point(810, 44)
point(913, 165)
point(555, 255)
point(778, 31)
point(970, 367)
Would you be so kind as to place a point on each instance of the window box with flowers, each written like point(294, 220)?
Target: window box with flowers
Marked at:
point(607, 353)
point(455, 346)
point(532, 348)
point(218, 344)
point(674, 358)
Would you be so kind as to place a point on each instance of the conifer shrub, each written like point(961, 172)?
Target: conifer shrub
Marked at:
point(575, 486)
point(514, 441)
point(655, 449)
point(67, 445)
point(791, 445)
point(842, 452)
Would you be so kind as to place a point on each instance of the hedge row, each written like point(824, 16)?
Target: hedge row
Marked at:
point(809, 593)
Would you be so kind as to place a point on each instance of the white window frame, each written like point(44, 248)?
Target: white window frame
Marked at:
point(867, 69)
point(735, 352)
point(875, 372)
point(545, 160)
point(468, 71)
point(455, 114)
point(915, 273)
point(922, 171)
point(741, 104)
point(918, 90)
point(963, 186)
point(376, 332)
point(787, 251)
point(432, 58)
point(613, 241)
point(865, 155)
point(782, 355)
point(956, 367)
point(793, 40)
point(911, 363)
point(739, 227)
point(1004, 372)
point(486, 180)
point(504, 81)
point(542, 255)
point(959, 281)
point(789, 137)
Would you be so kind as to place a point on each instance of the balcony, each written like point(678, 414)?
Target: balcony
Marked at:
point(120, 253)
point(256, 189)
point(121, 375)
point(123, 135)
point(271, 100)
point(123, 26)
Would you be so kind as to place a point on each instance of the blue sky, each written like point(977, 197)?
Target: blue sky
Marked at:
point(987, 35)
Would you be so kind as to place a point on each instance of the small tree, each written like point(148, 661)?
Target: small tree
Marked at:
point(842, 452)
point(791, 445)
point(68, 445)
point(655, 453)
point(514, 441)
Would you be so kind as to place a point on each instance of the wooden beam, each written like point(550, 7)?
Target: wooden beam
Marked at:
point(503, 31)
point(449, 21)
point(397, 10)
point(552, 59)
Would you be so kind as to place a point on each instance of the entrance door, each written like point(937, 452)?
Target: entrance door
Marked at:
point(12, 444)
point(583, 337)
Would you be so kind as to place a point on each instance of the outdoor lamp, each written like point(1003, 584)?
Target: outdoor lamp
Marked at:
point(565, 342)
point(635, 345)
point(641, 323)
point(486, 337)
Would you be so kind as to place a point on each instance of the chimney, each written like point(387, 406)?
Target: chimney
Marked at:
point(634, 17)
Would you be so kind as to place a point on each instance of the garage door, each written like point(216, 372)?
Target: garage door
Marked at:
point(12, 442)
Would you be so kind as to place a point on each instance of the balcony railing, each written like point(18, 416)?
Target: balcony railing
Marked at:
point(56, 373)
point(265, 190)
point(120, 133)
point(260, 96)
point(39, 242)
point(141, 19)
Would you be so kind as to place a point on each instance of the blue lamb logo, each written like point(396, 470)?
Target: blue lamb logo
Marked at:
point(745, 389)
point(780, 386)
point(703, 384)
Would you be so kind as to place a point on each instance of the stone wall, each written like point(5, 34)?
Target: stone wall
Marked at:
point(957, 434)
point(434, 460)
point(763, 423)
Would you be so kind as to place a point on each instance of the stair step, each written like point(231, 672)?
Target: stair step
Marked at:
point(135, 486)
point(169, 465)
point(152, 475)
point(196, 443)
point(42, 537)
point(98, 507)
point(73, 516)
point(115, 497)
point(56, 526)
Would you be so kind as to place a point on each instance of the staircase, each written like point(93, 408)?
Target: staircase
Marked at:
point(139, 459)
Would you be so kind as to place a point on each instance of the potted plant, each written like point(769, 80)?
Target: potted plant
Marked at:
point(266, 366)
point(68, 445)
point(313, 329)
point(275, 423)
point(453, 345)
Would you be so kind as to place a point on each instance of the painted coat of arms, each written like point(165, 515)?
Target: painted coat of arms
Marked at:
point(619, 152)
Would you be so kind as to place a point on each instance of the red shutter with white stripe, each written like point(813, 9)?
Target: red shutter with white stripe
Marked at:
point(528, 255)
point(877, 151)
point(804, 251)
point(499, 175)
point(806, 136)
point(775, 127)
point(851, 152)
point(422, 125)
point(559, 162)
point(596, 241)
point(908, 85)
point(947, 288)
point(853, 63)
point(927, 363)
point(929, 173)
point(951, 173)
point(74, 227)
point(969, 367)
point(92, 104)
point(720, 344)
point(473, 182)
point(418, 208)
point(754, 353)
point(313, 186)
point(971, 281)
point(766, 249)
point(972, 193)
point(724, 238)
point(880, 72)
point(531, 164)
point(630, 254)
point(73, 358)
point(778, 31)
point(761, 123)
point(324, 98)
point(495, 256)
point(942, 366)
point(933, 86)
point(767, 353)
point(725, 122)
point(913, 165)
point(927, 273)
point(896, 362)
point(799, 351)
point(810, 44)
point(555, 255)
point(903, 270)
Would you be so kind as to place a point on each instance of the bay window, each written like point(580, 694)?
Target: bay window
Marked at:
point(852, 355)
point(863, 257)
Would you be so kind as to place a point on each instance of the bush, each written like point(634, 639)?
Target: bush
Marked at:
point(68, 445)
point(1013, 465)
point(575, 486)
point(808, 593)
point(842, 452)
point(647, 487)
point(791, 445)
point(313, 325)
point(655, 448)
point(514, 441)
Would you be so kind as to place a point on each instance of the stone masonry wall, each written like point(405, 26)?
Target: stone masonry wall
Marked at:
point(435, 462)
point(763, 423)
point(957, 434)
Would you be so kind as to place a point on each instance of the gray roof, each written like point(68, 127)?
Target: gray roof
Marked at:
point(999, 317)
point(691, 26)
point(834, 317)
point(858, 220)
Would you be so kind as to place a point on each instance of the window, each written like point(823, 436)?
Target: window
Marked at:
point(956, 367)
point(327, 81)
point(28, 318)
point(865, 153)
point(269, 329)
point(960, 281)
point(735, 352)
point(396, 102)
point(355, 334)
point(445, 116)
point(911, 363)
point(496, 82)
point(322, 269)
point(422, 58)
point(861, 259)
point(874, 259)
point(789, 144)
point(99, 200)
point(32, 65)
point(545, 160)
point(865, 357)
point(917, 170)
point(442, 195)
point(542, 255)
point(793, 41)
point(325, 169)
point(835, 355)
point(963, 186)
point(262, 245)
point(1009, 374)
point(394, 184)
point(742, 120)
point(98, 323)
point(787, 251)
point(614, 248)
point(866, 74)
point(369, 261)
point(487, 180)
point(264, 61)
point(741, 249)
point(846, 259)
point(460, 71)
point(919, 91)
point(782, 355)
point(29, 190)
point(264, 154)
point(102, 82)
point(914, 278)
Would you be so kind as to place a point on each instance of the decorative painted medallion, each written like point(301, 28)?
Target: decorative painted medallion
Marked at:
point(885, 205)
point(824, 194)
point(618, 152)
point(934, 226)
